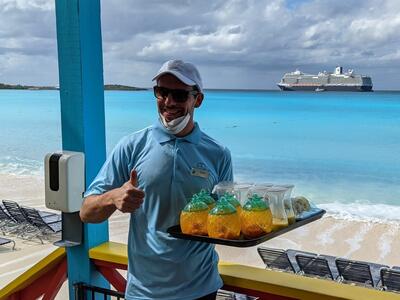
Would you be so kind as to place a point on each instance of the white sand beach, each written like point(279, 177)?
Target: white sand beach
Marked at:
point(361, 240)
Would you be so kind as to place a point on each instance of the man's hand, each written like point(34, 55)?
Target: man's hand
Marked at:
point(128, 197)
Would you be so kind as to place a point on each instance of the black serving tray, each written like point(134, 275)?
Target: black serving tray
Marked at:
point(308, 213)
point(176, 232)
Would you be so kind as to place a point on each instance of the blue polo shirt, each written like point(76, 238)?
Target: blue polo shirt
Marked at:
point(170, 170)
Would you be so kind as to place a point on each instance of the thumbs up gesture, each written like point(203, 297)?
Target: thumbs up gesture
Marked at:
point(128, 197)
point(133, 178)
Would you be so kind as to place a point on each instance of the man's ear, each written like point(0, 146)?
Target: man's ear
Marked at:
point(199, 99)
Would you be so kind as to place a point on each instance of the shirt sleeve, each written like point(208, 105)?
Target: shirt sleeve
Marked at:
point(226, 173)
point(114, 173)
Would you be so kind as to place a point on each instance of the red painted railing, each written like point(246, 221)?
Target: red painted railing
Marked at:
point(43, 280)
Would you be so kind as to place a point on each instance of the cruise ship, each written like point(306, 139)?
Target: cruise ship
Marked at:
point(324, 81)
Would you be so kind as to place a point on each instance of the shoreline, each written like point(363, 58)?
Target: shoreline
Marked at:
point(354, 239)
point(107, 87)
point(359, 211)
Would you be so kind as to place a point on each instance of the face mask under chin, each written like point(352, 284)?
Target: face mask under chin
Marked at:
point(177, 125)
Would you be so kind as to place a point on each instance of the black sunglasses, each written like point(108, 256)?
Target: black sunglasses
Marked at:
point(178, 95)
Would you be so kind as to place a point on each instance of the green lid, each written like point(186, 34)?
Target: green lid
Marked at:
point(223, 207)
point(255, 203)
point(232, 199)
point(195, 205)
point(204, 196)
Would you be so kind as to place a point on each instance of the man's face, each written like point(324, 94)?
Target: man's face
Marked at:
point(169, 108)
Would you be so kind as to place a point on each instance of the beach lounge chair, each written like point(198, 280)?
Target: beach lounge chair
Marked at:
point(291, 253)
point(5, 241)
point(354, 271)
point(314, 266)
point(4, 217)
point(14, 206)
point(46, 225)
point(7, 224)
point(6, 221)
point(20, 224)
point(376, 273)
point(390, 279)
point(14, 211)
point(275, 259)
point(332, 264)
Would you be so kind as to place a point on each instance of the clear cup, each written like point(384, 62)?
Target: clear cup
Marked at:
point(275, 196)
point(260, 189)
point(241, 191)
point(223, 187)
point(287, 202)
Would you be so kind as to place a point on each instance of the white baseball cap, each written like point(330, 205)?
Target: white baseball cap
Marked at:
point(184, 71)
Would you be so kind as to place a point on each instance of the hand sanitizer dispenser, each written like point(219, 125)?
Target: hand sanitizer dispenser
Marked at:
point(64, 180)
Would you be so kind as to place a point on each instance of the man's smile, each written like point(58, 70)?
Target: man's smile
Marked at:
point(171, 114)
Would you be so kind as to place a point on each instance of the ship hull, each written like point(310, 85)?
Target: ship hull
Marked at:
point(333, 88)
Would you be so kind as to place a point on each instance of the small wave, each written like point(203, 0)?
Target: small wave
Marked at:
point(385, 242)
point(377, 213)
point(357, 238)
point(20, 166)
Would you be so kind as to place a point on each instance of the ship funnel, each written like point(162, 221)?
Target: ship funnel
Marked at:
point(338, 70)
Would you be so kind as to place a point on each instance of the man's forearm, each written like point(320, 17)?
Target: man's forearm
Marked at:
point(97, 208)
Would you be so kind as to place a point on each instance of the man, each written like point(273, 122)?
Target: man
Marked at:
point(151, 174)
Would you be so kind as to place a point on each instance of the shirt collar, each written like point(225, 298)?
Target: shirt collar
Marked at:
point(162, 135)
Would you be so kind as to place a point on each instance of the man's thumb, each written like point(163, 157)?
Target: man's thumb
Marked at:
point(133, 178)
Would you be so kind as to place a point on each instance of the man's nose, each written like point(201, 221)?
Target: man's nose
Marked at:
point(170, 101)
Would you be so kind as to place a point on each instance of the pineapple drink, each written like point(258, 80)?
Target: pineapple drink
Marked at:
point(193, 218)
point(234, 202)
point(256, 218)
point(204, 196)
point(223, 221)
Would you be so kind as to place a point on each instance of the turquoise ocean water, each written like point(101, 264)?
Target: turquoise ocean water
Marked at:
point(341, 150)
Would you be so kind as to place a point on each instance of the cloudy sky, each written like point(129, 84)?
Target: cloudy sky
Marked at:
point(235, 44)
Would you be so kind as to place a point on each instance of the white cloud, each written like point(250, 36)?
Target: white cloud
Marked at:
point(8, 5)
point(248, 37)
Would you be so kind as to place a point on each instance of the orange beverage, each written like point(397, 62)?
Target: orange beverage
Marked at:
point(256, 218)
point(256, 223)
point(223, 221)
point(194, 222)
point(224, 226)
point(193, 218)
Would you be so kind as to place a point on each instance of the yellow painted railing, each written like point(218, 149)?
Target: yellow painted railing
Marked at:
point(112, 252)
point(236, 275)
point(268, 281)
point(296, 286)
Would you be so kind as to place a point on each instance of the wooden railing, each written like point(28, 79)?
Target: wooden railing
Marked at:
point(266, 284)
point(46, 277)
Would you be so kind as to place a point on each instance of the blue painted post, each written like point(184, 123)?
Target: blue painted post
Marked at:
point(82, 113)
